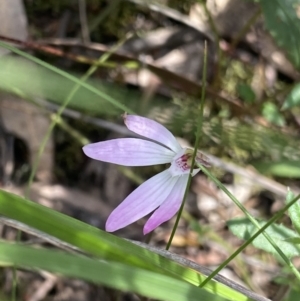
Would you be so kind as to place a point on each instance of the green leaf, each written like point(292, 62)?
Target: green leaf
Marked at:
point(293, 99)
point(272, 114)
point(246, 93)
point(102, 244)
point(293, 240)
point(282, 168)
point(293, 295)
point(109, 273)
point(294, 211)
point(284, 25)
point(244, 229)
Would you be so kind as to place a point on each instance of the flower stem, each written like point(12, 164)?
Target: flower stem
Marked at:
point(199, 128)
point(256, 224)
point(245, 244)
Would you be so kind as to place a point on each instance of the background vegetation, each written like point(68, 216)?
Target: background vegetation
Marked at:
point(68, 72)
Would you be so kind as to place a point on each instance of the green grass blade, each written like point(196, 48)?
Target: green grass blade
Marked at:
point(253, 221)
point(280, 168)
point(102, 244)
point(294, 211)
point(68, 76)
point(112, 274)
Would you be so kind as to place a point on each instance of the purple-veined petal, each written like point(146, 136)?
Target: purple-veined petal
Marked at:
point(180, 167)
point(146, 198)
point(152, 130)
point(129, 152)
point(169, 207)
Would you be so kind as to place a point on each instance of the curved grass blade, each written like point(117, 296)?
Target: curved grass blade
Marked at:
point(68, 76)
point(101, 244)
point(112, 274)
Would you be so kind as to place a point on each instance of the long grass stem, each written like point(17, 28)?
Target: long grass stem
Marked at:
point(198, 134)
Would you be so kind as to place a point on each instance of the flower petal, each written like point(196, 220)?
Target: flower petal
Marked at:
point(152, 130)
point(177, 168)
point(129, 152)
point(141, 201)
point(169, 207)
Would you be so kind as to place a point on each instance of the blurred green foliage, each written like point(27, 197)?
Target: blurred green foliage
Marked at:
point(272, 146)
point(282, 21)
point(243, 228)
point(246, 93)
point(293, 98)
point(280, 168)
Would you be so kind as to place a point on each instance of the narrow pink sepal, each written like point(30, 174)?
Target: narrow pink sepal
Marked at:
point(169, 207)
point(129, 152)
point(152, 130)
point(146, 198)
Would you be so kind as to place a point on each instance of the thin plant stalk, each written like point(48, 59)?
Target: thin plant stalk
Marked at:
point(253, 220)
point(216, 35)
point(198, 133)
point(245, 29)
point(277, 216)
point(56, 117)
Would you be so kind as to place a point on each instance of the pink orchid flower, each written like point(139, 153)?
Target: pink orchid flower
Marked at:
point(164, 191)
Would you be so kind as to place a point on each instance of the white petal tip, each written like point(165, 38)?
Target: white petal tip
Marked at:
point(108, 230)
point(146, 231)
point(111, 227)
point(150, 226)
point(87, 150)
